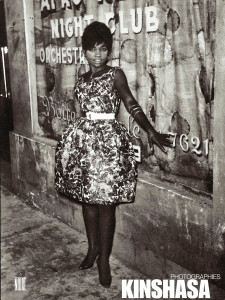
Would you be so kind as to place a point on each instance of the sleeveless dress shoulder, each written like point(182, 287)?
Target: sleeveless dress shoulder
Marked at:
point(94, 160)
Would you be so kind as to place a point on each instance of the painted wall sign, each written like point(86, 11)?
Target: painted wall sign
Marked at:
point(166, 48)
point(62, 55)
point(74, 26)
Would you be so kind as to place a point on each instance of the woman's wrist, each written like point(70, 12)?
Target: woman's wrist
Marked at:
point(135, 109)
point(151, 130)
point(140, 117)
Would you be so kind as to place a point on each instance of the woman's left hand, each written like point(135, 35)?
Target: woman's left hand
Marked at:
point(160, 139)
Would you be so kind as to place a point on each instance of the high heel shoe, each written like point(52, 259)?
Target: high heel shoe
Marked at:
point(105, 277)
point(88, 262)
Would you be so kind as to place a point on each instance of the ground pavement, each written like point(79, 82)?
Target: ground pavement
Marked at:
point(48, 252)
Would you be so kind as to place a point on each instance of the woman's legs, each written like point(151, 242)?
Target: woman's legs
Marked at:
point(90, 214)
point(99, 222)
point(106, 227)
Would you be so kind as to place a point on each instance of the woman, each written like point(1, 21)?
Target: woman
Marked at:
point(95, 161)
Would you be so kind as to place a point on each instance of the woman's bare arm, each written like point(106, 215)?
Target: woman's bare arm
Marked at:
point(135, 110)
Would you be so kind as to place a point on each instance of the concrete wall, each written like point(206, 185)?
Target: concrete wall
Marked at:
point(18, 67)
point(219, 137)
point(168, 229)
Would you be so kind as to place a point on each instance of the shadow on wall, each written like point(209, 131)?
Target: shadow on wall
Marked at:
point(6, 125)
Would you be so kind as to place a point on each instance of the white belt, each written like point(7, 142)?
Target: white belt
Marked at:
point(99, 116)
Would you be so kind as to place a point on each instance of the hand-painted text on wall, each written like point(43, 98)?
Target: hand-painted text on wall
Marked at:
point(74, 26)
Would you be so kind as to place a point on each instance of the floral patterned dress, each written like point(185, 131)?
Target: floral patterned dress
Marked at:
point(94, 159)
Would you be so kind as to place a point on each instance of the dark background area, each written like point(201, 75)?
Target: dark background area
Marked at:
point(6, 116)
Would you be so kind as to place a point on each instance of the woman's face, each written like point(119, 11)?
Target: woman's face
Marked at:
point(97, 56)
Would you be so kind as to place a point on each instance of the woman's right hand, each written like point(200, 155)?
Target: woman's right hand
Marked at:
point(160, 139)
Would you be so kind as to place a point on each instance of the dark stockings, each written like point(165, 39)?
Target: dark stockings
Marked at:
point(90, 215)
point(106, 226)
point(100, 226)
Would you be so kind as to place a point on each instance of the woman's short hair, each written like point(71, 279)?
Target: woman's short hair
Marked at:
point(96, 33)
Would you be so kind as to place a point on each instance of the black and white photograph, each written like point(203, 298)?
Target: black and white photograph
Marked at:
point(112, 149)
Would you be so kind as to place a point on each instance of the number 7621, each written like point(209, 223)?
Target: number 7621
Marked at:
point(184, 143)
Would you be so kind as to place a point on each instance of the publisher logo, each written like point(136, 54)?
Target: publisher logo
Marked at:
point(20, 283)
